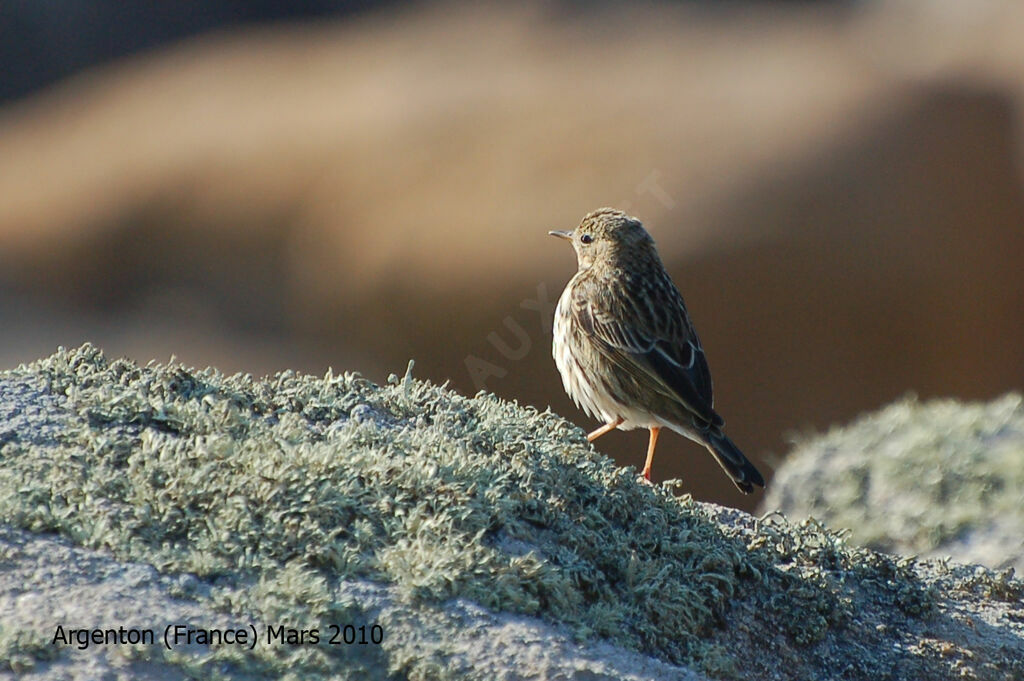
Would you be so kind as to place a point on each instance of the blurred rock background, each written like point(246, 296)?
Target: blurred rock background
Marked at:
point(936, 479)
point(836, 188)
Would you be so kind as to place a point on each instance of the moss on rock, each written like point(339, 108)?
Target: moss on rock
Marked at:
point(933, 478)
point(273, 490)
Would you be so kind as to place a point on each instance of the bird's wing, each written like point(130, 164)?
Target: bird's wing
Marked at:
point(643, 328)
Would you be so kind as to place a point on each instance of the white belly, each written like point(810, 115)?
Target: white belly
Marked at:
point(585, 393)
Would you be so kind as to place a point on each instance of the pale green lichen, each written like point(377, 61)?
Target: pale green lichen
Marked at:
point(914, 476)
point(20, 650)
point(274, 489)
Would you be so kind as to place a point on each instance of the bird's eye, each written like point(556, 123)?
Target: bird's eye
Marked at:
point(586, 238)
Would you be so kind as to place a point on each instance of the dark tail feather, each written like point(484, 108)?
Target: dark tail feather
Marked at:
point(732, 461)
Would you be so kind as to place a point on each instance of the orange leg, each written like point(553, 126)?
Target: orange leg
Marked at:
point(604, 429)
point(650, 453)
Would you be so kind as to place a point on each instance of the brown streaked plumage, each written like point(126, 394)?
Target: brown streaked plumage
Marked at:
point(625, 346)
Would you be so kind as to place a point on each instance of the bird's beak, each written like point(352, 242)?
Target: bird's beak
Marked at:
point(561, 235)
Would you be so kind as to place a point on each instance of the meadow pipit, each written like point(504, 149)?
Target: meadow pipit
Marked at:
point(625, 346)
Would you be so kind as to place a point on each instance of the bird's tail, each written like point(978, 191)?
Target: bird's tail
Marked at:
point(732, 461)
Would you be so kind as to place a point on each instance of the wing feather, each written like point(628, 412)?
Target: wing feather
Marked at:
point(654, 343)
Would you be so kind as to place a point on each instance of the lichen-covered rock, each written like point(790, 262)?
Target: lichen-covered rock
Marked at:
point(940, 478)
point(485, 540)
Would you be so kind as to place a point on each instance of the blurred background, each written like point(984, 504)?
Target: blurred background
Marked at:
point(836, 187)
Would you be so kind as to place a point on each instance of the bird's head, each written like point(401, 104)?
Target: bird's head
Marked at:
point(607, 234)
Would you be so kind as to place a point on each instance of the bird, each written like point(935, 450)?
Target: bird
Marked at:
point(626, 349)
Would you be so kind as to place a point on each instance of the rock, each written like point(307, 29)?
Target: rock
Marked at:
point(939, 478)
point(442, 537)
